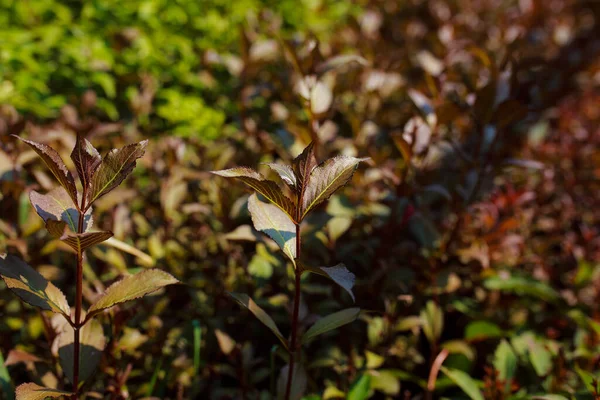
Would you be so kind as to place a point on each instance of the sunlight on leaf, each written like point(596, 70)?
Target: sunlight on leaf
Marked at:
point(58, 207)
point(465, 382)
point(31, 391)
point(92, 342)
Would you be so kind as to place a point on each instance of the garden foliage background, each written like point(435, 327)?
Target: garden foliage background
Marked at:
point(472, 231)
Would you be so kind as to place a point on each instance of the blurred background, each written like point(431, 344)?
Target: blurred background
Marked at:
point(473, 230)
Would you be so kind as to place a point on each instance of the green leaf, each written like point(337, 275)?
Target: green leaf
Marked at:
point(385, 381)
point(286, 173)
point(31, 391)
point(56, 166)
point(587, 378)
point(92, 343)
point(115, 167)
point(326, 179)
point(433, 321)
point(465, 382)
point(31, 286)
point(131, 288)
point(331, 322)
point(58, 207)
point(269, 189)
point(86, 159)
point(7, 388)
point(269, 219)
point(339, 274)
point(459, 347)
point(540, 358)
point(360, 389)
point(550, 397)
point(259, 313)
point(479, 330)
point(522, 286)
point(505, 362)
point(299, 382)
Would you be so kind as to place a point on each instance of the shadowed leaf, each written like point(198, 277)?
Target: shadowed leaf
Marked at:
point(56, 166)
point(267, 188)
point(58, 211)
point(92, 342)
point(115, 167)
point(304, 164)
point(331, 322)
point(259, 313)
point(272, 221)
point(31, 391)
point(339, 274)
point(131, 288)
point(285, 172)
point(31, 286)
point(86, 159)
point(299, 382)
point(326, 179)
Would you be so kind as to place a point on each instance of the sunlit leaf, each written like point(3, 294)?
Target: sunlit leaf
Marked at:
point(285, 172)
point(459, 347)
point(299, 382)
point(505, 362)
point(226, 343)
point(92, 343)
point(115, 167)
point(265, 187)
point(81, 241)
point(433, 321)
point(479, 330)
point(31, 391)
point(321, 98)
point(385, 381)
point(259, 313)
point(271, 220)
point(331, 322)
point(550, 397)
point(58, 207)
point(132, 287)
point(360, 389)
point(31, 286)
point(86, 159)
point(340, 61)
point(339, 274)
point(326, 179)
point(465, 382)
point(56, 166)
point(304, 164)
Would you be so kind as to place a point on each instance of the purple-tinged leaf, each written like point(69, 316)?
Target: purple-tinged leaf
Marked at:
point(269, 189)
point(275, 223)
point(92, 343)
point(56, 166)
point(82, 241)
point(31, 391)
point(304, 164)
point(285, 172)
point(87, 160)
point(339, 274)
point(326, 179)
point(115, 167)
point(31, 286)
point(58, 211)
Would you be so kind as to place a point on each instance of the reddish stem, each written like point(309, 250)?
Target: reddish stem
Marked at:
point(294, 338)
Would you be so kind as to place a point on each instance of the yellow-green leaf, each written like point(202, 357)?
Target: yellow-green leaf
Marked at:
point(131, 288)
point(271, 220)
point(31, 286)
point(31, 391)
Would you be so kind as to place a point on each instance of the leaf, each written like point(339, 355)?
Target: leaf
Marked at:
point(5, 383)
point(505, 362)
point(550, 397)
point(331, 322)
point(271, 220)
point(57, 206)
point(115, 167)
point(31, 286)
point(479, 330)
point(521, 285)
point(433, 321)
point(540, 358)
point(360, 389)
point(321, 98)
point(259, 313)
point(81, 241)
point(340, 61)
point(92, 343)
point(339, 274)
point(226, 343)
point(459, 347)
point(269, 189)
point(326, 179)
point(385, 381)
point(285, 172)
point(86, 159)
point(56, 166)
point(304, 164)
point(31, 391)
point(299, 382)
point(465, 382)
point(130, 288)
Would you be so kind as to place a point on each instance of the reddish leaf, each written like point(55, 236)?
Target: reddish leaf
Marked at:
point(86, 159)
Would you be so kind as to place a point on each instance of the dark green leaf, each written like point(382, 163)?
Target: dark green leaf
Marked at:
point(505, 362)
point(339, 274)
point(331, 322)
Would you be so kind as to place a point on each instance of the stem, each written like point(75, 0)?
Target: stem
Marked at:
point(293, 344)
point(78, 301)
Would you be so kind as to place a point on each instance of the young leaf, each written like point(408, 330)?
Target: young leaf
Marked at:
point(326, 179)
point(433, 321)
point(31, 391)
point(339, 274)
point(265, 187)
point(31, 286)
point(58, 211)
point(272, 221)
point(86, 159)
point(115, 167)
point(465, 382)
point(56, 166)
point(304, 164)
point(361, 388)
point(131, 288)
point(81, 241)
point(299, 382)
point(286, 173)
point(259, 313)
point(331, 322)
point(505, 362)
point(92, 343)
